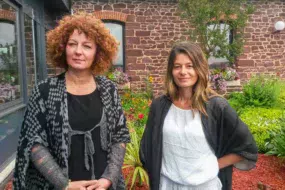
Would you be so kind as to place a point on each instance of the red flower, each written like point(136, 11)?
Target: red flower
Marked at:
point(130, 116)
point(141, 116)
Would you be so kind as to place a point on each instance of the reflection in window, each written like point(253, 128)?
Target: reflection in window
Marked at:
point(223, 27)
point(9, 71)
point(116, 30)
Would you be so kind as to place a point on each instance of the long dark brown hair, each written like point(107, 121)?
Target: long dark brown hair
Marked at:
point(202, 90)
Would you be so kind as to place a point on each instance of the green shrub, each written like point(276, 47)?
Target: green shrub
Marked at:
point(277, 145)
point(236, 100)
point(261, 91)
point(281, 97)
point(136, 107)
point(260, 121)
point(132, 160)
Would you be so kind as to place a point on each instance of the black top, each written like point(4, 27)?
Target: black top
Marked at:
point(85, 112)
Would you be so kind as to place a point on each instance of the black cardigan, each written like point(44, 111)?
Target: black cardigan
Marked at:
point(224, 131)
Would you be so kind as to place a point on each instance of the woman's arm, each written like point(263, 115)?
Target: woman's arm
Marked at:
point(113, 169)
point(228, 160)
point(146, 144)
point(236, 140)
point(46, 165)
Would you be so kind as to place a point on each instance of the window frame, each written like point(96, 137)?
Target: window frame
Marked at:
point(123, 41)
point(10, 107)
point(231, 35)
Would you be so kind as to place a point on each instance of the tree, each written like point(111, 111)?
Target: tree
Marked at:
point(206, 17)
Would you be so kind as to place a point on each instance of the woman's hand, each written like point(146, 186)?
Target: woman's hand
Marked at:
point(101, 184)
point(80, 185)
point(228, 160)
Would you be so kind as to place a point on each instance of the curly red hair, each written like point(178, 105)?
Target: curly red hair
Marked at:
point(94, 29)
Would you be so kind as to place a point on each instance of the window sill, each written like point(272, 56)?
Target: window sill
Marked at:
point(233, 83)
point(12, 109)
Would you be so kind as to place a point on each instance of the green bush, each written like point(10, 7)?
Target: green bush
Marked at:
point(136, 107)
point(260, 121)
point(236, 100)
point(261, 91)
point(132, 160)
point(277, 145)
point(281, 97)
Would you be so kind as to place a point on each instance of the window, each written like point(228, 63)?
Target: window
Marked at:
point(223, 28)
point(12, 91)
point(10, 77)
point(117, 30)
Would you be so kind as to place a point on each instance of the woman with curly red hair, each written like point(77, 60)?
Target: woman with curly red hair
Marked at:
point(74, 131)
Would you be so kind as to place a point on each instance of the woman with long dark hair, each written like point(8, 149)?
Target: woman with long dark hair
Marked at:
point(193, 137)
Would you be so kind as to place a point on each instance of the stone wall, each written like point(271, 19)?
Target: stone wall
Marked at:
point(30, 53)
point(151, 28)
point(264, 50)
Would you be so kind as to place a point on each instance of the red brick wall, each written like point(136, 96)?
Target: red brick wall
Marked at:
point(150, 30)
point(264, 51)
point(7, 15)
point(153, 26)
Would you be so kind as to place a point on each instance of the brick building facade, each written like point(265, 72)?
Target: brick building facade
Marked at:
point(152, 26)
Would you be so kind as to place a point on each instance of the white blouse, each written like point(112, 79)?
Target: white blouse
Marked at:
point(188, 162)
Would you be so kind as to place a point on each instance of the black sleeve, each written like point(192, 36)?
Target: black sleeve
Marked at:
point(237, 138)
point(113, 169)
point(33, 131)
point(145, 144)
point(47, 166)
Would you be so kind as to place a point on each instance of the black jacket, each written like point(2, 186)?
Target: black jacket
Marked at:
point(224, 131)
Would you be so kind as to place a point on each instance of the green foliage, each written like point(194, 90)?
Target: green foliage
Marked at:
point(261, 91)
point(149, 87)
point(136, 107)
point(281, 97)
point(203, 13)
point(118, 76)
point(236, 100)
point(277, 145)
point(132, 160)
point(260, 121)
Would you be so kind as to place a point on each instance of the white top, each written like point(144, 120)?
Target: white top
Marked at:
point(187, 158)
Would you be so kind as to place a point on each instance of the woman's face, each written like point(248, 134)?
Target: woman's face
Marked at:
point(183, 72)
point(80, 51)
